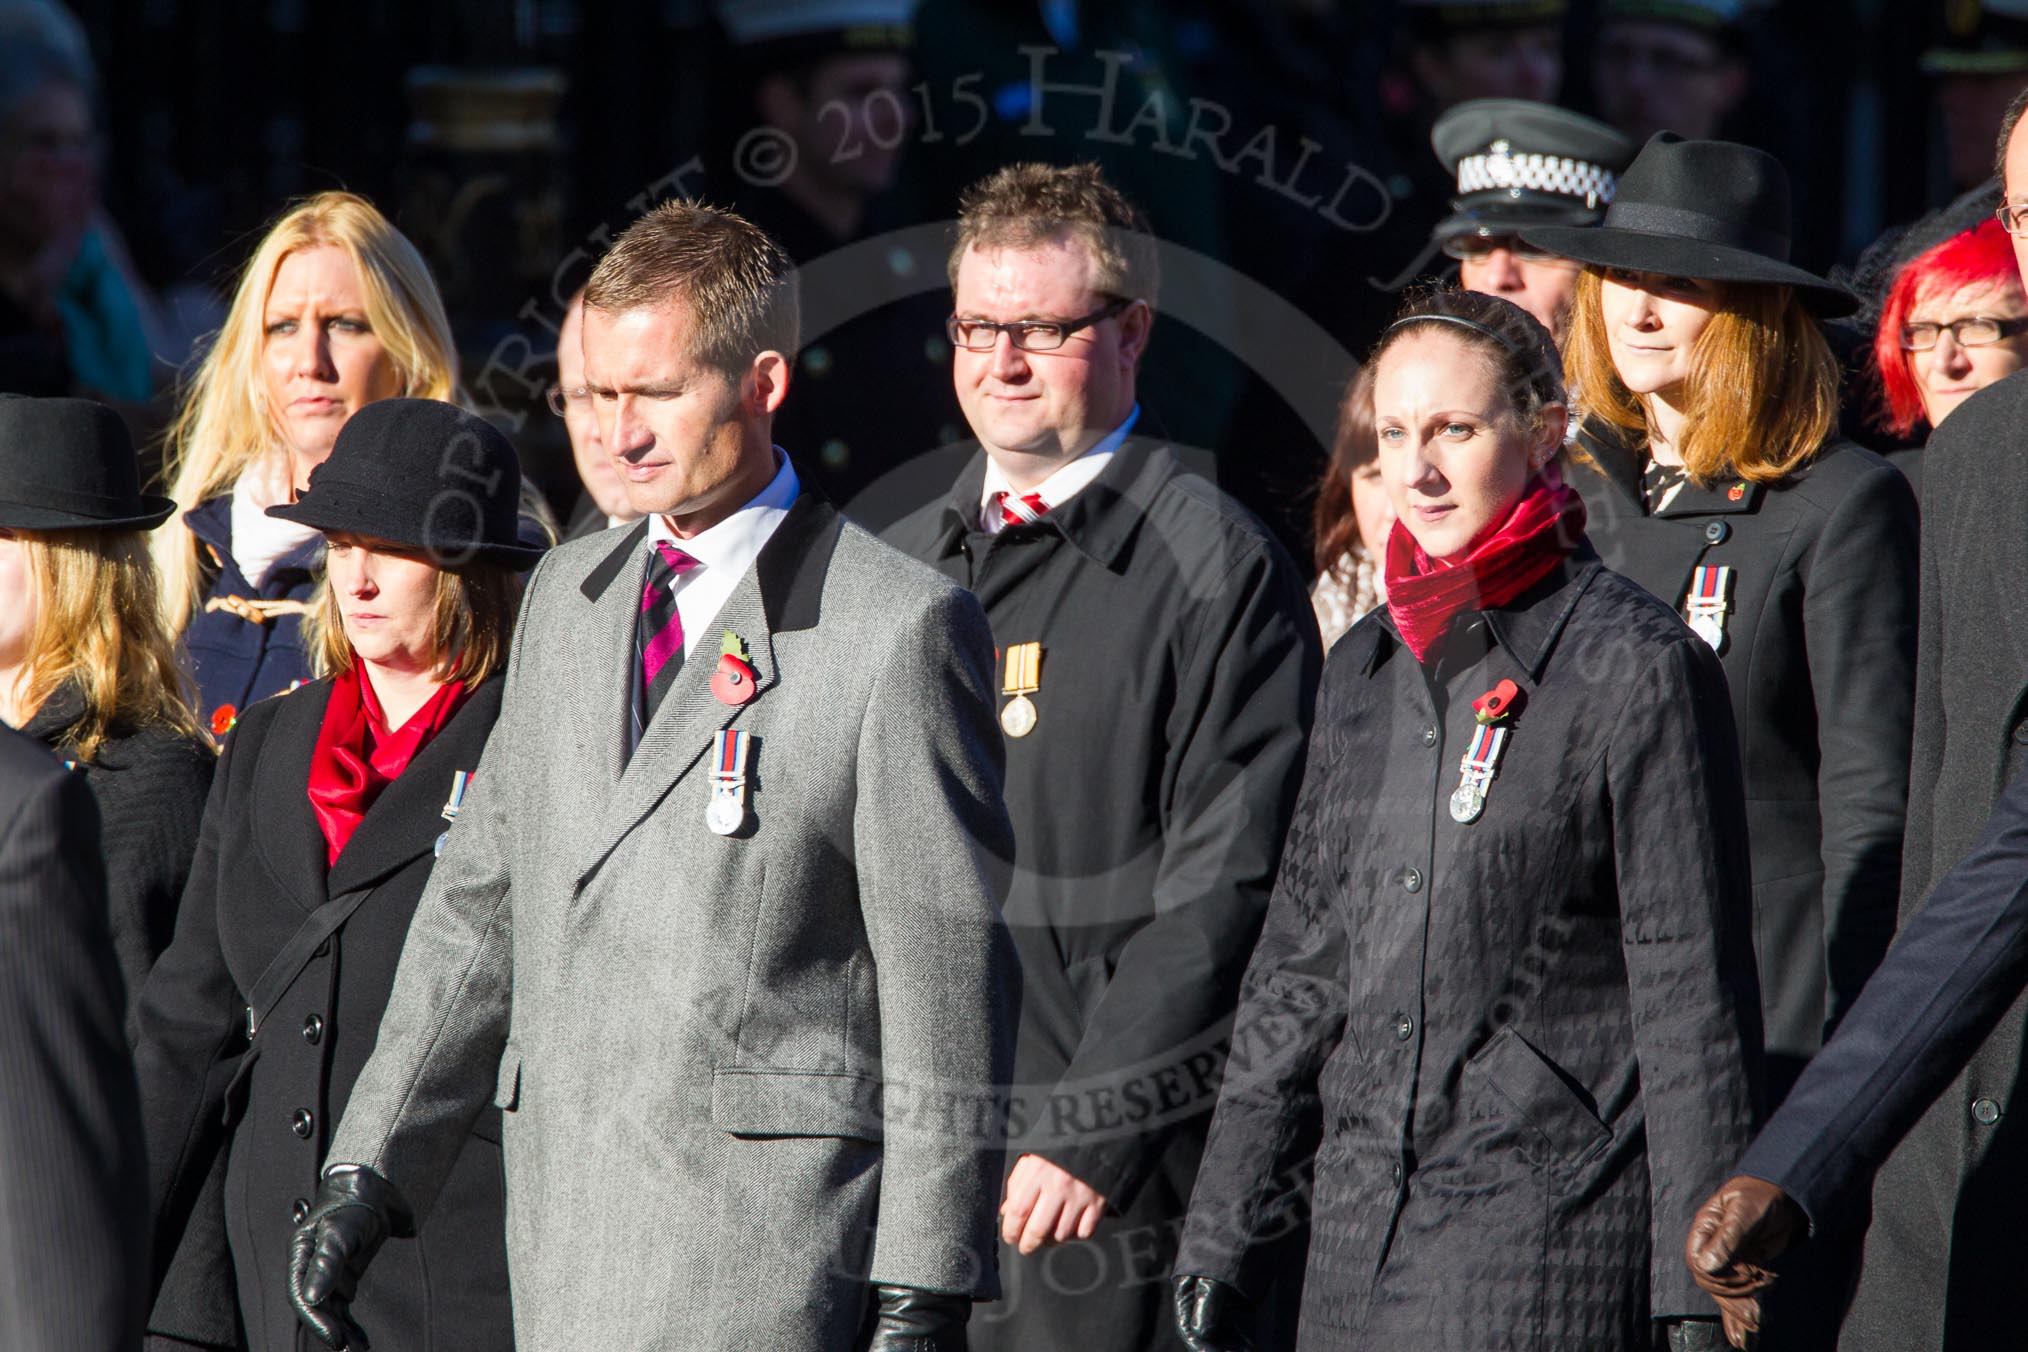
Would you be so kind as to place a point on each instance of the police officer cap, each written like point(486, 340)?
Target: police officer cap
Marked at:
point(796, 28)
point(1519, 163)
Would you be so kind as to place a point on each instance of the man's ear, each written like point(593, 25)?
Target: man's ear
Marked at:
point(766, 384)
point(1137, 324)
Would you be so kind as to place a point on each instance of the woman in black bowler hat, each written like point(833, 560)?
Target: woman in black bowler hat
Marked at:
point(330, 805)
point(1714, 476)
point(86, 666)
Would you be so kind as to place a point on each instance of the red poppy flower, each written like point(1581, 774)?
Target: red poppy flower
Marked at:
point(222, 719)
point(733, 682)
point(1496, 703)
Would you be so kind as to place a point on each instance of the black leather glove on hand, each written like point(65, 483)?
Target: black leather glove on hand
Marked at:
point(1207, 1315)
point(356, 1211)
point(905, 1319)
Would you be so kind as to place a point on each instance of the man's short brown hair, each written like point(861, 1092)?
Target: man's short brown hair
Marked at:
point(739, 286)
point(1026, 205)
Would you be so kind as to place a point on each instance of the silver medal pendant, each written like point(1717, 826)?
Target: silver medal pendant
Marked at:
point(1710, 628)
point(1467, 804)
point(725, 814)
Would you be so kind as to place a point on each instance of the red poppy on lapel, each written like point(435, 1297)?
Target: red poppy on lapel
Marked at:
point(1496, 703)
point(222, 719)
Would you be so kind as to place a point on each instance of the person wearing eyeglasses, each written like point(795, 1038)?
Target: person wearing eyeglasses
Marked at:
point(1158, 660)
point(1955, 321)
point(1520, 164)
point(1670, 65)
point(604, 504)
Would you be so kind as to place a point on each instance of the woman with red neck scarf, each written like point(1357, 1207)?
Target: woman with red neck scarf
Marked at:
point(327, 812)
point(1508, 947)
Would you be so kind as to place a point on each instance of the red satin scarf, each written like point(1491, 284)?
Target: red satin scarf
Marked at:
point(1425, 594)
point(357, 754)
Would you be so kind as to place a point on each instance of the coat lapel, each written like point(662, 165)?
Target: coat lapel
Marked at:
point(614, 590)
point(290, 838)
point(405, 821)
point(779, 592)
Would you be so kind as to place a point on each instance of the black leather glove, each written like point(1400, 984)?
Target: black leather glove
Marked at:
point(1207, 1315)
point(905, 1319)
point(1693, 1335)
point(355, 1212)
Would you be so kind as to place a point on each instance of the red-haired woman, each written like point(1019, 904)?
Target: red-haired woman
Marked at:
point(1954, 321)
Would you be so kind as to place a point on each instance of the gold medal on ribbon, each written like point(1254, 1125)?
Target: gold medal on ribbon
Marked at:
point(1023, 678)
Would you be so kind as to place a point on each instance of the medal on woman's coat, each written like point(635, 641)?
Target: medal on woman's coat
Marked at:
point(1482, 762)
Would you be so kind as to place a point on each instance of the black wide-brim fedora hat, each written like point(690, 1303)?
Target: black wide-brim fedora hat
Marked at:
point(69, 464)
point(423, 474)
point(1716, 211)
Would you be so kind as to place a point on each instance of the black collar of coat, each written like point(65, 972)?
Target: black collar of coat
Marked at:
point(1093, 521)
point(789, 569)
point(404, 821)
point(1527, 626)
point(1622, 469)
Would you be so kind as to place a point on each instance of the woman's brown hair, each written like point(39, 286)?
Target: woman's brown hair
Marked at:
point(472, 625)
point(1334, 526)
point(99, 627)
point(1762, 396)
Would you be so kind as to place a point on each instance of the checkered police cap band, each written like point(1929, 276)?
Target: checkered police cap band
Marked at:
point(1498, 170)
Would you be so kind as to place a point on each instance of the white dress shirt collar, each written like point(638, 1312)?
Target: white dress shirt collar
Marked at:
point(725, 551)
point(1061, 486)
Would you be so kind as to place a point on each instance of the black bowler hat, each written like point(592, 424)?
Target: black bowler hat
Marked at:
point(69, 463)
point(1520, 163)
point(1716, 211)
point(421, 473)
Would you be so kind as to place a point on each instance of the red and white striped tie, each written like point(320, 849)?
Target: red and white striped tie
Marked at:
point(1017, 511)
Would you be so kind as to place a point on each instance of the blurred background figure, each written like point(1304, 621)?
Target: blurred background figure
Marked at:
point(1352, 518)
point(1520, 164)
point(604, 500)
point(335, 310)
point(73, 1243)
point(831, 97)
point(73, 318)
point(86, 667)
point(1977, 66)
point(1475, 50)
point(1670, 65)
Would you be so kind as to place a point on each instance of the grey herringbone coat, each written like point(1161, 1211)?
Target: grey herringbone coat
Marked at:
point(1531, 1034)
point(741, 1075)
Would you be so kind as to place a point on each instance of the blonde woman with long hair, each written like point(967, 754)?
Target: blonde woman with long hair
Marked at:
point(85, 666)
point(335, 310)
point(1717, 480)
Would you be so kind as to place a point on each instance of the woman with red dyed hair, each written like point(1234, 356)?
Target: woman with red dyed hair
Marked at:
point(1954, 321)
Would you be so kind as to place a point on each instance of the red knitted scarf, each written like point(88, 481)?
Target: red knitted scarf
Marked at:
point(1425, 594)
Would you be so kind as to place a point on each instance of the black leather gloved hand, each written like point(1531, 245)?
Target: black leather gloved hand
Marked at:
point(1207, 1315)
point(905, 1319)
point(1694, 1335)
point(355, 1212)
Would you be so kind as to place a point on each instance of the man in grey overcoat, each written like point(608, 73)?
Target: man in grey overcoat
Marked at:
point(718, 925)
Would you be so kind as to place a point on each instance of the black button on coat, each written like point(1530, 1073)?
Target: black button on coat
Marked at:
point(237, 1137)
point(1179, 666)
point(1819, 656)
point(1574, 979)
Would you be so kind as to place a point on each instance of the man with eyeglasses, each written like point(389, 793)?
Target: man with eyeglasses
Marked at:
point(1521, 164)
point(1157, 666)
point(604, 503)
point(1670, 65)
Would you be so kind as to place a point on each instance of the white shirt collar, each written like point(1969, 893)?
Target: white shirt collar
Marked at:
point(733, 544)
point(1063, 485)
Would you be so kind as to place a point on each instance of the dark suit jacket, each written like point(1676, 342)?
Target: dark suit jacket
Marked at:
point(1947, 1221)
point(260, 871)
point(73, 1236)
point(1819, 654)
point(1955, 969)
point(1531, 1033)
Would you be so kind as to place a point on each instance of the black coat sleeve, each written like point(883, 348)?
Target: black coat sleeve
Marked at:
point(1859, 624)
point(1236, 735)
point(1958, 966)
point(73, 1233)
point(1679, 844)
point(191, 1033)
point(1292, 1011)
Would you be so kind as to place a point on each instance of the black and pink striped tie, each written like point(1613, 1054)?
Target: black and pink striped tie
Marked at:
point(658, 633)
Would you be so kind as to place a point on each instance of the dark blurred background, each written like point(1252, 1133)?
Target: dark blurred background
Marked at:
point(509, 139)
